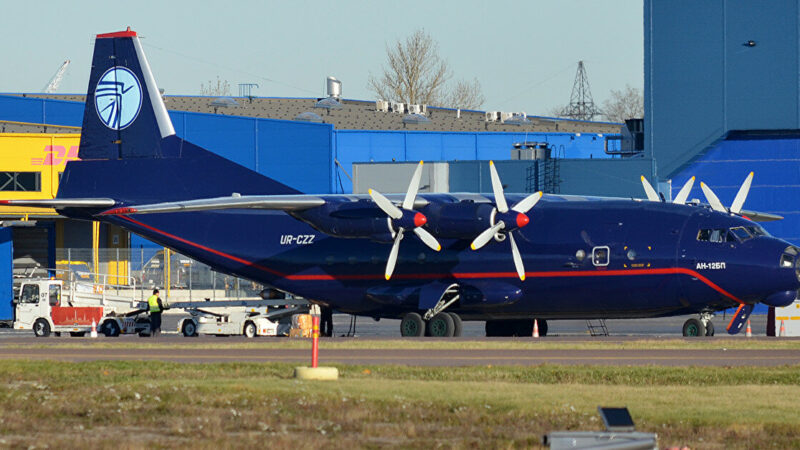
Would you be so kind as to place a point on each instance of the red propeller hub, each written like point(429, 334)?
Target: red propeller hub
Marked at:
point(420, 219)
point(522, 220)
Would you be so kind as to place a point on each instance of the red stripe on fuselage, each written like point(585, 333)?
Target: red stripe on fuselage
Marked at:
point(457, 275)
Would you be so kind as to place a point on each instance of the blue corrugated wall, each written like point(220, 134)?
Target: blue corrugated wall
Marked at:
point(775, 162)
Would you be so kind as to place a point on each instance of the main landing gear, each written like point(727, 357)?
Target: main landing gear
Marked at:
point(435, 322)
point(701, 326)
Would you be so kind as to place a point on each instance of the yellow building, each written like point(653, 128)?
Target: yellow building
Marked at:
point(31, 165)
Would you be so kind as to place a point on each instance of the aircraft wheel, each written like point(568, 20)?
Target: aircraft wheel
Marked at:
point(41, 328)
point(189, 328)
point(412, 325)
point(441, 325)
point(709, 328)
point(693, 328)
point(250, 330)
point(523, 328)
point(458, 326)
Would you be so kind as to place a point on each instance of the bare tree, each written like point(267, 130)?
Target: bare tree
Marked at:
point(416, 74)
point(627, 103)
point(465, 95)
point(220, 88)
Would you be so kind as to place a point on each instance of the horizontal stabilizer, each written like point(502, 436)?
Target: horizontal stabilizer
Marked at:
point(277, 202)
point(756, 216)
point(59, 203)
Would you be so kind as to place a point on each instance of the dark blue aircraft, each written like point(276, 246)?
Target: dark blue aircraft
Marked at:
point(502, 258)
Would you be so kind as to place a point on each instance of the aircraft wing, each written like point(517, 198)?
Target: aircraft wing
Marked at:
point(59, 203)
point(278, 202)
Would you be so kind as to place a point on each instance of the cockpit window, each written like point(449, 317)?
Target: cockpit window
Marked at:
point(741, 233)
point(756, 230)
point(715, 235)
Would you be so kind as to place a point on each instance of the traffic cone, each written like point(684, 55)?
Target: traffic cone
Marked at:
point(782, 333)
point(535, 328)
point(94, 329)
point(748, 332)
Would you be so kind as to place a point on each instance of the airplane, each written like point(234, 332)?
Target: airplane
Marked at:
point(503, 258)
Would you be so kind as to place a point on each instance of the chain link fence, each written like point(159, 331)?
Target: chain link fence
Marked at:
point(178, 277)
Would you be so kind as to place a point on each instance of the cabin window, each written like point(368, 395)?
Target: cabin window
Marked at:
point(600, 256)
point(55, 294)
point(30, 294)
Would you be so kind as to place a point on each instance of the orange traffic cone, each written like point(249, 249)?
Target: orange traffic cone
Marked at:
point(535, 328)
point(748, 332)
point(783, 330)
point(94, 329)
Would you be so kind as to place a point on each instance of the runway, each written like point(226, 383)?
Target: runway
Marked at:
point(210, 350)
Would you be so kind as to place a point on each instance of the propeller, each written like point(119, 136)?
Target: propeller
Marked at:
point(738, 201)
point(679, 199)
point(404, 219)
point(505, 221)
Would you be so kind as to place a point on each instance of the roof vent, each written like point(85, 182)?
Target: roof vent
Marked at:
point(223, 102)
point(491, 116)
point(334, 88)
point(517, 119)
point(309, 116)
point(328, 103)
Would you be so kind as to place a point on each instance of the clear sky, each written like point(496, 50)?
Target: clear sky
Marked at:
point(524, 52)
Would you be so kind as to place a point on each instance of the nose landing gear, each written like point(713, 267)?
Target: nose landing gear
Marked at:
point(699, 327)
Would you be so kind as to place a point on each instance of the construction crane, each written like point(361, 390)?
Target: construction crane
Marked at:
point(52, 85)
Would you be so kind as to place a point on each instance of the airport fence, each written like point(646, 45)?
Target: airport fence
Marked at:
point(178, 277)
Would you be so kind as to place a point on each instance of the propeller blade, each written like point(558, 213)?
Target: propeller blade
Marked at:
point(527, 203)
point(393, 254)
point(648, 189)
point(427, 239)
point(413, 188)
point(680, 199)
point(740, 318)
point(517, 257)
point(385, 205)
point(487, 235)
point(497, 188)
point(716, 205)
point(741, 196)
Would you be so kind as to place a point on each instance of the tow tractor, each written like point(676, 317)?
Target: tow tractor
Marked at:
point(46, 306)
point(250, 318)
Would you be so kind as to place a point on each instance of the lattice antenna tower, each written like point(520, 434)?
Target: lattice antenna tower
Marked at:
point(581, 105)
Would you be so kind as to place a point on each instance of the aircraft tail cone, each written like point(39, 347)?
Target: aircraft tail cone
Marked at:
point(94, 329)
point(535, 328)
point(749, 331)
point(782, 332)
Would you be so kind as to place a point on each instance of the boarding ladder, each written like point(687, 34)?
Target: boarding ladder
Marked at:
point(597, 327)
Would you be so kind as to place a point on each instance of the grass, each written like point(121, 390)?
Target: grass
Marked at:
point(159, 404)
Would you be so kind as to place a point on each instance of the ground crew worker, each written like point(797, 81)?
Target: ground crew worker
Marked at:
point(156, 307)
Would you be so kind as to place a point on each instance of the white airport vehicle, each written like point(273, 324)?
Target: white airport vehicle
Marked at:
point(248, 318)
point(48, 306)
point(789, 316)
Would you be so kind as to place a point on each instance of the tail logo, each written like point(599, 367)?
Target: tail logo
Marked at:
point(118, 98)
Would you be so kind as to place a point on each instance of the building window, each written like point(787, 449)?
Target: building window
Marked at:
point(20, 181)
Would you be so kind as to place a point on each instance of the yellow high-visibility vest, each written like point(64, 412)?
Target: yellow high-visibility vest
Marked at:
point(153, 302)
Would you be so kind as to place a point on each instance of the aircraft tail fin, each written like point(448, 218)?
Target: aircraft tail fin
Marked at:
point(125, 116)
point(129, 151)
